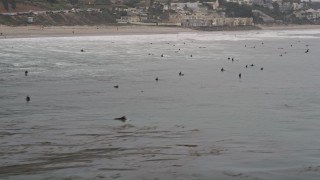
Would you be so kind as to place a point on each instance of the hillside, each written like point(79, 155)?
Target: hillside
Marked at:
point(23, 7)
point(62, 19)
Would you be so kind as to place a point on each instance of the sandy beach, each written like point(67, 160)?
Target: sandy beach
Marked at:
point(56, 31)
point(39, 31)
point(288, 27)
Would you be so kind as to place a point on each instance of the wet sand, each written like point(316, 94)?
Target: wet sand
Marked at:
point(58, 31)
point(288, 27)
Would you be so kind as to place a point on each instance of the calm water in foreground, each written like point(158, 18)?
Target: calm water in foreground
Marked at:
point(206, 124)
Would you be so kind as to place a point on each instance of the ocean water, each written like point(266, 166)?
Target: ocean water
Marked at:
point(206, 124)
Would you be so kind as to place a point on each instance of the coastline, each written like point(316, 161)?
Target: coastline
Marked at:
point(68, 31)
point(288, 27)
point(206, 124)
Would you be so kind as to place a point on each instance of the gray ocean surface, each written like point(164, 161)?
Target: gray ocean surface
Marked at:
point(206, 124)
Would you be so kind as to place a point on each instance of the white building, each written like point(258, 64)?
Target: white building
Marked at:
point(247, 2)
point(181, 6)
point(309, 14)
point(312, 14)
point(214, 4)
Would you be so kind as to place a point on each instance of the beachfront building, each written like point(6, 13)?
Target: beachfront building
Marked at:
point(216, 21)
point(196, 23)
point(309, 14)
point(128, 19)
point(312, 14)
point(175, 17)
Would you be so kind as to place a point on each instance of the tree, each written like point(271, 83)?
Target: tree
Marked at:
point(222, 2)
point(236, 10)
point(52, 1)
point(5, 4)
point(131, 3)
point(276, 8)
point(123, 13)
point(13, 4)
point(74, 2)
point(105, 2)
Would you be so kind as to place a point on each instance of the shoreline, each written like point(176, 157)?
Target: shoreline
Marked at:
point(288, 27)
point(69, 31)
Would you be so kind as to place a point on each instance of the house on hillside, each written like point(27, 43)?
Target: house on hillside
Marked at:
point(309, 14)
point(297, 6)
point(312, 14)
point(217, 21)
point(214, 4)
point(188, 5)
point(247, 2)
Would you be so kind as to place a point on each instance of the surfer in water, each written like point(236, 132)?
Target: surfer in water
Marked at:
point(123, 118)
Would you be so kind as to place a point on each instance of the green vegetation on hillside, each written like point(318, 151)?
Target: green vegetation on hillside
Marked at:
point(67, 19)
point(237, 10)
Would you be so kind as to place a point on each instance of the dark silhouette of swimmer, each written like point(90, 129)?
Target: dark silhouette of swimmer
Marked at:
point(27, 98)
point(123, 118)
point(180, 74)
point(240, 76)
point(307, 51)
point(157, 79)
point(251, 65)
point(246, 66)
point(191, 55)
point(228, 58)
point(161, 55)
point(26, 73)
point(116, 86)
point(261, 68)
point(232, 59)
point(222, 69)
point(82, 50)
